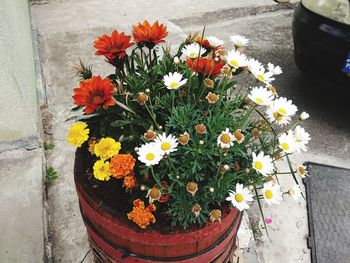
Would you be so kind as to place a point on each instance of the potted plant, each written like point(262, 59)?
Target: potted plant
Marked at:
point(172, 147)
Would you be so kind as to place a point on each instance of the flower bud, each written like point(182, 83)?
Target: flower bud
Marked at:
point(303, 116)
point(239, 136)
point(273, 90)
point(215, 215)
point(236, 166)
point(212, 98)
point(154, 194)
point(176, 60)
point(251, 187)
point(142, 98)
point(201, 129)
point(184, 138)
point(147, 90)
point(192, 188)
point(142, 188)
point(209, 83)
point(226, 167)
point(196, 209)
point(222, 169)
point(211, 189)
point(91, 142)
point(201, 142)
point(150, 135)
point(256, 133)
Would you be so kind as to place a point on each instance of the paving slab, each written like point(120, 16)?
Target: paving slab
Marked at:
point(21, 220)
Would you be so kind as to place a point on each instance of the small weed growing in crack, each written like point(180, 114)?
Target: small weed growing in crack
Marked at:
point(48, 146)
point(51, 175)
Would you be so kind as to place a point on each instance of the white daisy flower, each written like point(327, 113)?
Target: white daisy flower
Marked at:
point(287, 142)
point(301, 138)
point(261, 95)
point(174, 80)
point(253, 63)
point(166, 144)
point(262, 163)
point(215, 42)
point(275, 70)
point(301, 170)
point(149, 154)
point(295, 192)
point(240, 197)
point(281, 110)
point(239, 41)
point(192, 50)
point(272, 193)
point(226, 139)
point(303, 116)
point(259, 73)
point(236, 60)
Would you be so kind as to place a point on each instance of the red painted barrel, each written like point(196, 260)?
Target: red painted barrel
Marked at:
point(113, 239)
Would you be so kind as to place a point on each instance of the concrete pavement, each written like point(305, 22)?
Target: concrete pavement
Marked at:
point(67, 29)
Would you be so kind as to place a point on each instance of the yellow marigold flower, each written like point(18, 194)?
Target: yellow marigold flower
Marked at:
point(142, 215)
point(106, 148)
point(78, 134)
point(101, 170)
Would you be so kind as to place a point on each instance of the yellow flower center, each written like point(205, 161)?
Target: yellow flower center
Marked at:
point(258, 165)
point(225, 138)
point(259, 100)
point(301, 170)
point(260, 77)
point(173, 85)
point(268, 194)
point(277, 116)
point(282, 111)
point(150, 156)
point(165, 146)
point(234, 63)
point(291, 191)
point(285, 146)
point(193, 54)
point(239, 198)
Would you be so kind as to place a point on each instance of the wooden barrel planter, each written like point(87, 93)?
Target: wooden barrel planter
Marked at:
point(115, 239)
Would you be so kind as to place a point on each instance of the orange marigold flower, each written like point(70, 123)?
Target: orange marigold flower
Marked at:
point(94, 93)
point(121, 165)
point(142, 215)
point(205, 66)
point(130, 182)
point(148, 34)
point(113, 46)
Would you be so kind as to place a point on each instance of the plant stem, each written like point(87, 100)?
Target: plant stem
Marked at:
point(152, 116)
point(156, 177)
point(261, 211)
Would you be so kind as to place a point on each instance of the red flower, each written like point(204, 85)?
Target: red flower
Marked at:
point(205, 66)
point(152, 34)
point(94, 93)
point(203, 42)
point(113, 46)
